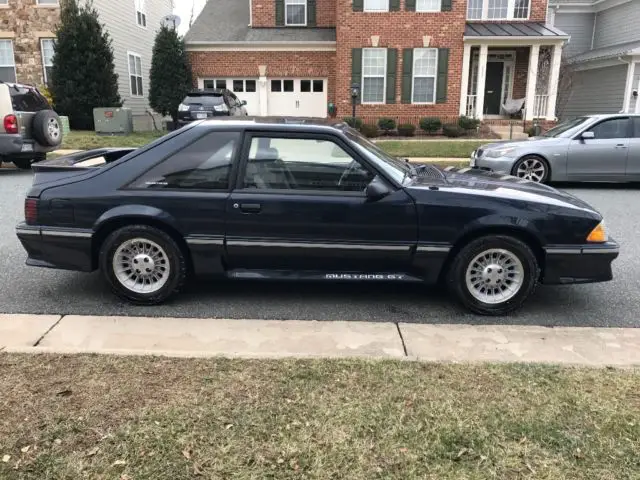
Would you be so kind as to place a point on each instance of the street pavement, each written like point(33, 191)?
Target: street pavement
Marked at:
point(614, 304)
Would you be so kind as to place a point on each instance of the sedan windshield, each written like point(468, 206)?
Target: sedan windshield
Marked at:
point(564, 127)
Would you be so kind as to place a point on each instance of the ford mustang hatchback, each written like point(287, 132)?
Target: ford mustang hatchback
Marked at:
point(304, 201)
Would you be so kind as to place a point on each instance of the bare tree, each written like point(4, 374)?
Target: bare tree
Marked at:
point(193, 11)
point(565, 81)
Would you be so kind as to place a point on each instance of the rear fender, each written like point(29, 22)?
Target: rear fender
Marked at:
point(132, 212)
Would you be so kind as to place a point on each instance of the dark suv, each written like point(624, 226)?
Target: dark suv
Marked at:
point(30, 128)
point(203, 104)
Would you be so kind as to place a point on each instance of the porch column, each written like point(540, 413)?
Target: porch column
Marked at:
point(262, 90)
point(628, 89)
point(554, 79)
point(464, 84)
point(532, 79)
point(482, 79)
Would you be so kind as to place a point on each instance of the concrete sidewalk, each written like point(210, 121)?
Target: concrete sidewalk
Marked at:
point(190, 337)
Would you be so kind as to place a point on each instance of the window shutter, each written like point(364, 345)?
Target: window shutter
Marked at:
point(356, 69)
point(392, 62)
point(358, 5)
point(280, 13)
point(443, 75)
point(311, 13)
point(410, 5)
point(446, 5)
point(394, 5)
point(407, 74)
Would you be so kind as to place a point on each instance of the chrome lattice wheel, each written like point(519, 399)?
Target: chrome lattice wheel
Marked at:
point(532, 169)
point(494, 276)
point(141, 265)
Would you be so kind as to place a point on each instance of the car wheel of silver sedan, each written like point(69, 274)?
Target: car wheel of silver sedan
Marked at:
point(531, 168)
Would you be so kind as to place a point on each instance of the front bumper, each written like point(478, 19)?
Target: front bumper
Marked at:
point(62, 248)
point(579, 263)
point(499, 164)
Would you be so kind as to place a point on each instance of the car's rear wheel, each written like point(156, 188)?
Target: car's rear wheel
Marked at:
point(493, 275)
point(142, 264)
point(533, 168)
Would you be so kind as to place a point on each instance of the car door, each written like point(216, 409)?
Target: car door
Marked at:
point(603, 157)
point(299, 204)
point(633, 160)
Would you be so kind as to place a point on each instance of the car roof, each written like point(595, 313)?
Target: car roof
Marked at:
point(612, 115)
point(279, 123)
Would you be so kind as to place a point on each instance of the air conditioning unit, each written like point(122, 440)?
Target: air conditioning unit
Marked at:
point(113, 121)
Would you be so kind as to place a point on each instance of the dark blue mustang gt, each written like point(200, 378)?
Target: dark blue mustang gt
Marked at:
point(304, 201)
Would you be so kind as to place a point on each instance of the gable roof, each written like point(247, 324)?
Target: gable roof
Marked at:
point(227, 21)
point(619, 50)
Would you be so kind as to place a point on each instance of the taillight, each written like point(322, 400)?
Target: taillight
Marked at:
point(31, 211)
point(11, 124)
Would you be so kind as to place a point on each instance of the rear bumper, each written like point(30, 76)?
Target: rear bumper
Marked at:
point(17, 147)
point(580, 263)
point(62, 248)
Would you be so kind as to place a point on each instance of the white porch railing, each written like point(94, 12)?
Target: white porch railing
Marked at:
point(540, 106)
point(472, 101)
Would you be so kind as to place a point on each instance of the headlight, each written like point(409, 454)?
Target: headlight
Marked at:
point(598, 234)
point(183, 108)
point(220, 108)
point(502, 152)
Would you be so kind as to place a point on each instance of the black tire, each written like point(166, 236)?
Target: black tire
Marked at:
point(175, 259)
point(532, 159)
point(46, 128)
point(23, 163)
point(457, 274)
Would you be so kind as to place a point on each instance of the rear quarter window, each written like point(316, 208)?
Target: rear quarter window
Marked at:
point(27, 100)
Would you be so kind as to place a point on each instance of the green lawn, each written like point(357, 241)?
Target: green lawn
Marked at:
point(102, 417)
point(79, 140)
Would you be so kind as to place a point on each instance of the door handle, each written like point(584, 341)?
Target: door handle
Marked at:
point(250, 207)
point(620, 145)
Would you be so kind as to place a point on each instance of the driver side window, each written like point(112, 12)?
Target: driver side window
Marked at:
point(611, 129)
point(303, 164)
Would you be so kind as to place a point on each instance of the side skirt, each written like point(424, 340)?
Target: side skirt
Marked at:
point(322, 276)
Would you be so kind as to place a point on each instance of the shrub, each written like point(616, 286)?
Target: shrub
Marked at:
point(430, 125)
point(453, 131)
point(355, 122)
point(468, 123)
point(406, 130)
point(387, 124)
point(369, 130)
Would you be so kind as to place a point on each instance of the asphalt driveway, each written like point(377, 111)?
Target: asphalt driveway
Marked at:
point(32, 290)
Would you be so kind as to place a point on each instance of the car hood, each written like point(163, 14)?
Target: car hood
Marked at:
point(489, 184)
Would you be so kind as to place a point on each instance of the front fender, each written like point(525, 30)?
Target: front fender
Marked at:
point(501, 223)
point(135, 211)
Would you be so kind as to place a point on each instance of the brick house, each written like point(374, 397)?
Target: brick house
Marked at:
point(412, 58)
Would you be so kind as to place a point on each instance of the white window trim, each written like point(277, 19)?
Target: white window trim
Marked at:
point(384, 77)
point(44, 64)
point(133, 54)
point(364, 9)
point(413, 78)
point(437, 9)
point(49, 5)
point(306, 15)
point(511, 6)
point(13, 53)
point(139, 6)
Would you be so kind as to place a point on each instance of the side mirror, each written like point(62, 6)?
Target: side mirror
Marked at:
point(243, 103)
point(588, 136)
point(377, 189)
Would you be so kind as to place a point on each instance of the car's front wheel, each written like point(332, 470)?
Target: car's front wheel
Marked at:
point(493, 275)
point(532, 168)
point(142, 264)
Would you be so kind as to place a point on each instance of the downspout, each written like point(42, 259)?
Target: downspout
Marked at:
point(628, 84)
point(593, 32)
point(250, 12)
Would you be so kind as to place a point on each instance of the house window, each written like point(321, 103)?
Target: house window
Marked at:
point(135, 75)
point(428, 5)
point(141, 14)
point(295, 12)
point(374, 72)
point(46, 45)
point(376, 5)
point(425, 68)
point(474, 9)
point(45, 2)
point(498, 9)
point(521, 9)
point(7, 61)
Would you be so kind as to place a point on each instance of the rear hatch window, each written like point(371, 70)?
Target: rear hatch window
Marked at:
point(26, 99)
point(209, 100)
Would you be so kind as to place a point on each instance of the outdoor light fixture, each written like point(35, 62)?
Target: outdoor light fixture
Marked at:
point(355, 93)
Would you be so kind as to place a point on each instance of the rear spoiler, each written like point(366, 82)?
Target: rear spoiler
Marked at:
point(83, 159)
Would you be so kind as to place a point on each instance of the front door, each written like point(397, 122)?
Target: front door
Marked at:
point(300, 205)
point(604, 157)
point(493, 88)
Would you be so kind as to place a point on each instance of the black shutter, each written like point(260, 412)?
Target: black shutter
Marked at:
point(394, 5)
point(358, 5)
point(356, 68)
point(392, 62)
point(443, 75)
point(410, 5)
point(280, 13)
point(407, 74)
point(311, 13)
point(446, 5)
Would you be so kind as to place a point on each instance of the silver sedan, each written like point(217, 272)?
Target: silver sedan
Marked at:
point(596, 148)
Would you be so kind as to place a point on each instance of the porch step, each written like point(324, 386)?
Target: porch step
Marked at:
point(503, 131)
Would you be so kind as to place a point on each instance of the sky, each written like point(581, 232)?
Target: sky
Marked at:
point(183, 10)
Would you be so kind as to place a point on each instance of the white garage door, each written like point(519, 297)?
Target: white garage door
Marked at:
point(297, 97)
point(244, 88)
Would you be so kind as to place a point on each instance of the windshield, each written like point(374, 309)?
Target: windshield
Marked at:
point(565, 126)
point(393, 166)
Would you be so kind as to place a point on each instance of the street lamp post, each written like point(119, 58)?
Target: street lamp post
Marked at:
point(355, 93)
